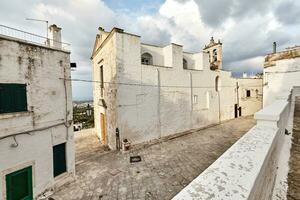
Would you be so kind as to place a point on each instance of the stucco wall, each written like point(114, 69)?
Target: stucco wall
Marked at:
point(156, 52)
point(280, 77)
point(158, 101)
point(49, 101)
point(153, 101)
point(251, 104)
point(106, 57)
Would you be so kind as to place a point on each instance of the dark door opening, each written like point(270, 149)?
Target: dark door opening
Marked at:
point(240, 111)
point(235, 111)
point(59, 159)
point(19, 185)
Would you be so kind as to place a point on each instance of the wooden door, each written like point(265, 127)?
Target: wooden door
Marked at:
point(103, 129)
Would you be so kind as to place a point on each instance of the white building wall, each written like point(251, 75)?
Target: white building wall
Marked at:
point(154, 101)
point(156, 52)
point(252, 104)
point(281, 73)
point(49, 102)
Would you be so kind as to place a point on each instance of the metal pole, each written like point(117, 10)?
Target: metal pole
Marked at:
point(40, 20)
point(47, 30)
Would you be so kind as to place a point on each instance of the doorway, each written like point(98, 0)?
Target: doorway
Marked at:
point(19, 185)
point(59, 159)
point(103, 129)
point(235, 111)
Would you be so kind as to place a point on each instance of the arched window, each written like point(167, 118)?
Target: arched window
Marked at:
point(215, 54)
point(146, 59)
point(217, 84)
point(185, 64)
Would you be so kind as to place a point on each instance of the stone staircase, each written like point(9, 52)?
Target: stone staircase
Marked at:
point(294, 162)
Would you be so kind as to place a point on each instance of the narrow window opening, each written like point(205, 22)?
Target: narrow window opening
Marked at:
point(248, 93)
point(217, 84)
point(195, 99)
point(215, 55)
point(185, 63)
point(207, 100)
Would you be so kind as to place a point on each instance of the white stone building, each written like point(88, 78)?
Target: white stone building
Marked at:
point(250, 95)
point(36, 133)
point(144, 92)
point(281, 73)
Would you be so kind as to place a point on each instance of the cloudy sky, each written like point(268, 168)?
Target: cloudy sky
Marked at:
point(246, 28)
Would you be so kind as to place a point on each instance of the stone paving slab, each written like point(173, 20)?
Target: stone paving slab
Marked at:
point(86, 144)
point(165, 169)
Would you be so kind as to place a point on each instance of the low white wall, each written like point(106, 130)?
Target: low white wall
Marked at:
point(248, 169)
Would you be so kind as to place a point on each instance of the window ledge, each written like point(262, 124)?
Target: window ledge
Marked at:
point(14, 114)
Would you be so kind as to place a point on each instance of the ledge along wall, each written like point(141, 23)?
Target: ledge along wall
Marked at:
point(248, 169)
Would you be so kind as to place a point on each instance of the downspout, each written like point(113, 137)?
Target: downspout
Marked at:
point(158, 102)
point(67, 122)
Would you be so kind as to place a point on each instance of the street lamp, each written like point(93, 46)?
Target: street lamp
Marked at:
point(88, 110)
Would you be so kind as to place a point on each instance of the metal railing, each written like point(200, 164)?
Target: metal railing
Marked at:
point(31, 37)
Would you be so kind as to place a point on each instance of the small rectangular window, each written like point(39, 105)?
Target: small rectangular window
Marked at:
point(12, 98)
point(195, 99)
point(248, 93)
point(59, 159)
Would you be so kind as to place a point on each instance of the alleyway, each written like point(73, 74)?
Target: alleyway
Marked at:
point(165, 168)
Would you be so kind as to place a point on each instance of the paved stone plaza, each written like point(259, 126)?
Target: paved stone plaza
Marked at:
point(165, 169)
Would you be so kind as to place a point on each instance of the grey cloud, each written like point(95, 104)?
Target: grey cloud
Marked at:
point(288, 12)
point(215, 12)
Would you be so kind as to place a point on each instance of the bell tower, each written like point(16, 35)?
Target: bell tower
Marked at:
point(214, 49)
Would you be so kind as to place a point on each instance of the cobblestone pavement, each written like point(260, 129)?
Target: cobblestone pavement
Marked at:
point(165, 169)
point(86, 144)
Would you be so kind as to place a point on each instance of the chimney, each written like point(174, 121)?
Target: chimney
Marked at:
point(274, 47)
point(54, 36)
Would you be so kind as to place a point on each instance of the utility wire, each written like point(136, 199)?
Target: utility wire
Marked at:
point(283, 72)
point(146, 85)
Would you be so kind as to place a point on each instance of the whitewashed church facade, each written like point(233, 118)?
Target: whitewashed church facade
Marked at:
point(144, 92)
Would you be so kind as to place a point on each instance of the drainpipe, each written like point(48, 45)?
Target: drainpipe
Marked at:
point(118, 142)
point(158, 102)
